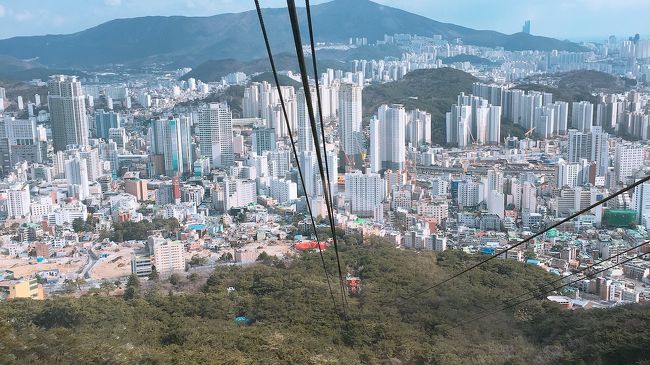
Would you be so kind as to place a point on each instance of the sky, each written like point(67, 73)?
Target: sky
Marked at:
point(564, 19)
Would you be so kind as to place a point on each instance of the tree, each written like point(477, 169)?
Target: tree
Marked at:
point(107, 287)
point(227, 256)
point(154, 276)
point(90, 223)
point(197, 260)
point(41, 280)
point(69, 285)
point(174, 279)
point(263, 257)
point(132, 290)
point(193, 277)
point(79, 282)
point(78, 225)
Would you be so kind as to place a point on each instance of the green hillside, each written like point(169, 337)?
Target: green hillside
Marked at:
point(292, 320)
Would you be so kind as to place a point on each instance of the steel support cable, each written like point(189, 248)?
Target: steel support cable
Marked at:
point(571, 217)
point(293, 17)
point(318, 98)
point(293, 148)
point(545, 292)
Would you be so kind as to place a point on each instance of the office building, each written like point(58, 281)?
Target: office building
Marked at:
point(263, 139)
point(137, 188)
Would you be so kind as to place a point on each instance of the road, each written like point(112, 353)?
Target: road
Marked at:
point(92, 260)
point(431, 170)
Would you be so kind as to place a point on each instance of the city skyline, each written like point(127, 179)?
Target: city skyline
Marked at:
point(597, 19)
point(166, 198)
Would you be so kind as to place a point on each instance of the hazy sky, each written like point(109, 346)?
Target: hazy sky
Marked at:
point(573, 19)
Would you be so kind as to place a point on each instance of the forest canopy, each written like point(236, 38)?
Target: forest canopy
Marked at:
point(290, 318)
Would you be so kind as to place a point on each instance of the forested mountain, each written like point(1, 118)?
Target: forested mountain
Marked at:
point(193, 40)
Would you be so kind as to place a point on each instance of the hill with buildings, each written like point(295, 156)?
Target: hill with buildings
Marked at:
point(577, 85)
point(214, 70)
point(433, 90)
point(192, 40)
point(280, 312)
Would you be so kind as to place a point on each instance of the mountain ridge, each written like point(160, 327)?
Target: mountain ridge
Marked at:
point(193, 40)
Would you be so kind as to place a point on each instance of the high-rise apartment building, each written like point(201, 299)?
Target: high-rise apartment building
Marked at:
point(168, 255)
point(350, 114)
point(76, 174)
point(215, 135)
point(374, 145)
point(305, 138)
point(627, 159)
point(418, 127)
point(365, 192)
point(392, 126)
point(641, 203)
point(18, 200)
point(582, 115)
point(177, 146)
point(104, 121)
point(67, 106)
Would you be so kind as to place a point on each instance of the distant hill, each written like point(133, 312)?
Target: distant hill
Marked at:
point(193, 40)
point(10, 64)
point(14, 69)
point(42, 73)
point(284, 80)
point(433, 90)
point(214, 70)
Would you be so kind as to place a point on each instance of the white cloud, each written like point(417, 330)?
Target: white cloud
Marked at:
point(2, 11)
point(113, 2)
point(23, 16)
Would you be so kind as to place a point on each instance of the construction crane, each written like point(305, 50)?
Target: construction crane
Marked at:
point(349, 165)
point(529, 132)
